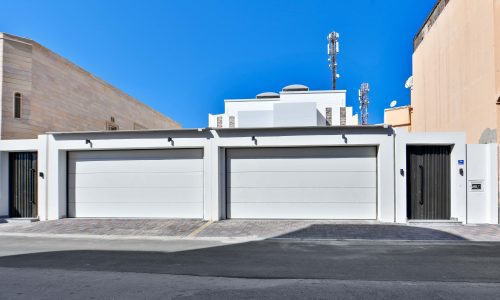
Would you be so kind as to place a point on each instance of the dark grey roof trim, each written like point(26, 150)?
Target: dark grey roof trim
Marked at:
point(222, 129)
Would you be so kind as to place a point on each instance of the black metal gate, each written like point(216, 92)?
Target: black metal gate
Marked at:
point(23, 184)
point(428, 182)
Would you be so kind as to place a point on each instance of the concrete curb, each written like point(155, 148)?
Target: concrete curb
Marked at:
point(227, 240)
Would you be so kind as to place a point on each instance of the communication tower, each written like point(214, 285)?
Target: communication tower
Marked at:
point(364, 100)
point(333, 51)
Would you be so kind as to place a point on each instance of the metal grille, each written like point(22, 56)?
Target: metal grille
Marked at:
point(23, 184)
point(111, 126)
point(428, 182)
point(343, 117)
point(329, 116)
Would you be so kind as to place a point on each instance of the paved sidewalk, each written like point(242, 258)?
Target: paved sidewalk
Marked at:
point(256, 229)
point(350, 230)
point(125, 227)
point(482, 233)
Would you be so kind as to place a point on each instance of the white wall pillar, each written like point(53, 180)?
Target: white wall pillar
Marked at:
point(207, 181)
point(482, 183)
point(385, 177)
point(42, 180)
point(56, 181)
point(213, 172)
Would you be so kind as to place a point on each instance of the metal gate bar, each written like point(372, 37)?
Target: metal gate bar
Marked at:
point(23, 184)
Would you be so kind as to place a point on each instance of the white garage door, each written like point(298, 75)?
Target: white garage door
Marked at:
point(136, 184)
point(302, 183)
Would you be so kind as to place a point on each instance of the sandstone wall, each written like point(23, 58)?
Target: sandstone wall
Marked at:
point(59, 96)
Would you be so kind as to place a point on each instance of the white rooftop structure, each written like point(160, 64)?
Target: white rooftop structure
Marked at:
point(295, 105)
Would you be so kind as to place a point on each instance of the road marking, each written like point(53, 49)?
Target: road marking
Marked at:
point(200, 229)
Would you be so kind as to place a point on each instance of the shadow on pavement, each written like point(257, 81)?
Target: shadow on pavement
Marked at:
point(370, 232)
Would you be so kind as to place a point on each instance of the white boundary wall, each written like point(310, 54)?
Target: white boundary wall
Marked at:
point(391, 158)
point(482, 200)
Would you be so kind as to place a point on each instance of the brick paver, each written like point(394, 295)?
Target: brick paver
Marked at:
point(483, 232)
point(336, 230)
point(261, 229)
point(349, 230)
point(132, 227)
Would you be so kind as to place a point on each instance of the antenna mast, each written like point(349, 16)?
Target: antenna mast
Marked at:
point(363, 102)
point(333, 50)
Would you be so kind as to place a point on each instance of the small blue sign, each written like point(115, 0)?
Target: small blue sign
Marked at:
point(461, 162)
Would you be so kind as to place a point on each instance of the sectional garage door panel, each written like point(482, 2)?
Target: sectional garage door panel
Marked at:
point(330, 211)
point(298, 195)
point(302, 183)
point(138, 183)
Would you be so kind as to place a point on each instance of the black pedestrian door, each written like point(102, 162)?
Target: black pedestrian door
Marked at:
point(428, 182)
point(23, 184)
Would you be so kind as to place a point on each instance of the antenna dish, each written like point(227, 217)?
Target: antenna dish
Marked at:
point(267, 95)
point(295, 88)
point(409, 83)
point(393, 103)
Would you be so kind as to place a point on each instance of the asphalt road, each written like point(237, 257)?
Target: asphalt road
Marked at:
point(48, 268)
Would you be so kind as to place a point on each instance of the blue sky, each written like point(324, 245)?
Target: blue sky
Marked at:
point(185, 57)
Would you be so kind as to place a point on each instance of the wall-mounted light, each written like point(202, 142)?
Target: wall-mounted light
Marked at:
point(344, 138)
point(170, 140)
point(42, 175)
point(88, 142)
point(254, 139)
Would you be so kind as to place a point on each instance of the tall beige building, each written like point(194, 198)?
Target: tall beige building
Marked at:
point(44, 92)
point(456, 70)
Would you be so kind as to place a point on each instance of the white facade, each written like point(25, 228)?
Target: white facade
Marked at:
point(294, 106)
point(344, 172)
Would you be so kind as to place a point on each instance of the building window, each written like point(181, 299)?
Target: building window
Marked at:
point(343, 116)
point(18, 98)
point(111, 126)
point(329, 116)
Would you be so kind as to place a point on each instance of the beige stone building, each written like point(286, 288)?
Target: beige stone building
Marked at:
point(456, 70)
point(44, 92)
point(398, 117)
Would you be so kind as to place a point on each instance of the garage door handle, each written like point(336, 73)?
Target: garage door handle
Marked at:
point(421, 184)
